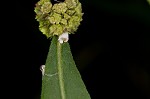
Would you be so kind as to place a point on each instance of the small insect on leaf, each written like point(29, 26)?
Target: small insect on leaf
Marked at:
point(42, 68)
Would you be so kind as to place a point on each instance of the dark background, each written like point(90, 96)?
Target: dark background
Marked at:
point(111, 49)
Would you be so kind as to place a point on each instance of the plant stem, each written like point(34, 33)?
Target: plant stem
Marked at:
point(60, 71)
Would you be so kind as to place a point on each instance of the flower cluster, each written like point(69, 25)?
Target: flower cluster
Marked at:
point(58, 18)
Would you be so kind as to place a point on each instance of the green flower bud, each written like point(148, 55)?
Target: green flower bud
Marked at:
point(70, 12)
point(46, 7)
point(55, 18)
point(71, 3)
point(60, 8)
point(63, 21)
point(66, 16)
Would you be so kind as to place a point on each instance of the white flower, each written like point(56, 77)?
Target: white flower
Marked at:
point(63, 37)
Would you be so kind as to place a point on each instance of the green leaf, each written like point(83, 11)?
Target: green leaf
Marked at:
point(62, 79)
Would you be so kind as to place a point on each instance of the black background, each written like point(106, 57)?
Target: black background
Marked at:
point(111, 49)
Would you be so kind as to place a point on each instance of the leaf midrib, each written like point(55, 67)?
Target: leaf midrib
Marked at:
point(60, 71)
